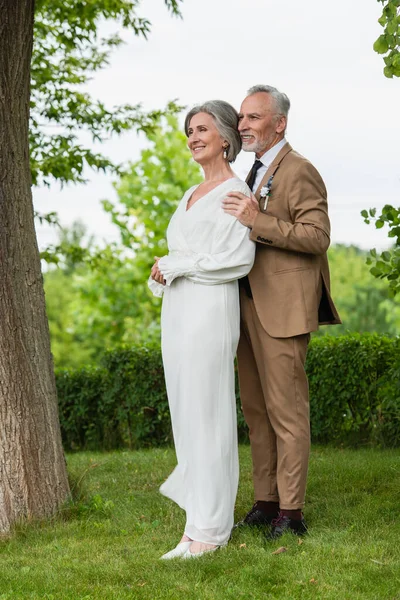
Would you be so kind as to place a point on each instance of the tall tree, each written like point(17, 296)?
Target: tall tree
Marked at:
point(33, 479)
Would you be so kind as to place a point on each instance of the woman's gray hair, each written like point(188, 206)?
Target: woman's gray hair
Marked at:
point(282, 102)
point(226, 120)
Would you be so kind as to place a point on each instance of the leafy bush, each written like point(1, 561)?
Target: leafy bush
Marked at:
point(387, 426)
point(354, 396)
point(121, 404)
point(84, 422)
point(345, 376)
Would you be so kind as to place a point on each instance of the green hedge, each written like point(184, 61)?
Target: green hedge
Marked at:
point(123, 403)
point(354, 396)
point(346, 375)
point(387, 427)
point(83, 418)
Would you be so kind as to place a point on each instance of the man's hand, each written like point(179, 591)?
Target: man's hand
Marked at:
point(155, 272)
point(242, 207)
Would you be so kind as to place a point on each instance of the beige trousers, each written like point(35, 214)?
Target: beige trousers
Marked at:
point(274, 396)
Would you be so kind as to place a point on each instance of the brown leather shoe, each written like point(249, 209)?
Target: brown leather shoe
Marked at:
point(283, 524)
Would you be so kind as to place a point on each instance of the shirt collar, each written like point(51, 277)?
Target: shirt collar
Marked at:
point(268, 157)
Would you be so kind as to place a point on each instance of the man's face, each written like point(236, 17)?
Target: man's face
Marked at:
point(260, 126)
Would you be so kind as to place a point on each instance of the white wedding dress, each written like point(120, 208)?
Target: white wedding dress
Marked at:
point(208, 252)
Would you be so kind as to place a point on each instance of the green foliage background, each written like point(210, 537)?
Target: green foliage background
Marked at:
point(91, 309)
point(98, 297)
point(68, 50)
point(365, 304)
point(354, 390)
point(386, 265)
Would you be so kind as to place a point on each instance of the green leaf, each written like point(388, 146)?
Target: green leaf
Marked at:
point(381, 45)
point(379, 224)
point(392, 26)
point(396, 70)
point(383, 267)
point(375, 272)
point(386, 256)
point(388, 72)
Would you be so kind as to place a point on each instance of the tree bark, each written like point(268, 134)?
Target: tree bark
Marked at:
point(33, 479)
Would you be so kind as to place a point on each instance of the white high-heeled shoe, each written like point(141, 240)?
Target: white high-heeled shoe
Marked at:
point(189, 554)
point(179, 550)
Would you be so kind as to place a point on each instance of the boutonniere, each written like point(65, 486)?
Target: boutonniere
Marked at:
point(265, 191)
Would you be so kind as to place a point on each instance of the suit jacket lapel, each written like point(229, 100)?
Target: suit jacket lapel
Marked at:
point(273, 167)
point(248, 176)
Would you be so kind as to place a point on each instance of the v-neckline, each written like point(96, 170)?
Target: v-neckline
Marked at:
point(204, 195)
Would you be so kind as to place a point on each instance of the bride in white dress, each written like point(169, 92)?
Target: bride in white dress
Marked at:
point(208, 251)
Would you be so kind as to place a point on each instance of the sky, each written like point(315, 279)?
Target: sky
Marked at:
point(344, 114)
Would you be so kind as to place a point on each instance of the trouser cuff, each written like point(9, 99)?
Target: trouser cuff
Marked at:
point(295, 506)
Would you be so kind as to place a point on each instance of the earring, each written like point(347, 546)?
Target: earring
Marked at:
point(226, 152)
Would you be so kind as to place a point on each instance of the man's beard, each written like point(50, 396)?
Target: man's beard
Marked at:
point(259, 146)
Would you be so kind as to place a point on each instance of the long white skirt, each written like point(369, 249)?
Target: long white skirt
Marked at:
point(200, 333)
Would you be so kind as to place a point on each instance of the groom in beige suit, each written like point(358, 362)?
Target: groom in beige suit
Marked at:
point(284, 298)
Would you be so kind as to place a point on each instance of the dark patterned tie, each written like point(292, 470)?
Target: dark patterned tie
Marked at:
point(253, 173)
point(244, 282)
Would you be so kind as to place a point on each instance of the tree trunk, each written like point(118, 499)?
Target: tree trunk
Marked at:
point(33, 479)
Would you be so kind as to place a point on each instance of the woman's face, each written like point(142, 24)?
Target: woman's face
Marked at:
point(204, 140)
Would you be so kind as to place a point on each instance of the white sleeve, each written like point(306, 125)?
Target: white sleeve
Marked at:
point(233, 257)
point(156, 288)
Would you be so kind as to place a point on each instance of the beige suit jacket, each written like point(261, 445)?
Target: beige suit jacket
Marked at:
point(290, 279)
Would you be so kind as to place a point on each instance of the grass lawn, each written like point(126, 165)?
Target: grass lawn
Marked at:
point(108, 546)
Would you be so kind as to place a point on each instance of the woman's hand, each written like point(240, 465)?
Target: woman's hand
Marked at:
point(156, 273)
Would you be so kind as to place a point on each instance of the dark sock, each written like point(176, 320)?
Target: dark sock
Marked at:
point(269, 508)
point(297, 515)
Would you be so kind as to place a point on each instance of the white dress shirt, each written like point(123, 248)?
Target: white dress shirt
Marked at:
point(267, 159)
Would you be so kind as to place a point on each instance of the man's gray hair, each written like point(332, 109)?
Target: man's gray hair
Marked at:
point(226, 120)
point(282, 102)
